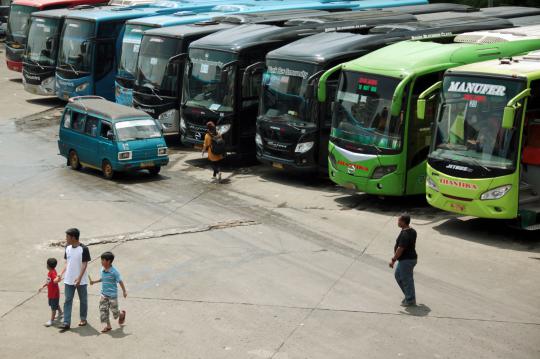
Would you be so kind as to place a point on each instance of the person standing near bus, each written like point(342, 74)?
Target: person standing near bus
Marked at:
point(215, 145)
point(406, 257)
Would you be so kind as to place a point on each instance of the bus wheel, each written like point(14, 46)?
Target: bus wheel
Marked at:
point(107, 169)
point(74, 162)
point(154, 171)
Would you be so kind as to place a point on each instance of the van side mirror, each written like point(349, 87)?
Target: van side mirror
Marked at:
point(110, 135)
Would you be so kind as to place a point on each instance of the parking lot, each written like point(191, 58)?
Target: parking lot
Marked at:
point(264, 265)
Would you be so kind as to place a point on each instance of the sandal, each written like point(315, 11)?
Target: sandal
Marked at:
point(105, 330)
point(122, 317)
point(83, 323)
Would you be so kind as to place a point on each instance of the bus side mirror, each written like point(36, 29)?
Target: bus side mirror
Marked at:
point(48, 43)
point(224, 74)
point(422, 99)
point(248, 76)
point(321, 87)
point(510, 108)
point(508, 117)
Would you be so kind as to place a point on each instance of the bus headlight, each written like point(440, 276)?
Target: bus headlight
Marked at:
point(162, 151)
point(303, 147)
point(496, 193)
point(431, 184)
point(168, 116)
point(223, 129)
point(81, 87)
point(382, 171)
point(258, 140)
point(125, 155)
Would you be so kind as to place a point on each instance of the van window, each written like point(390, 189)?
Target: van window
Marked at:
point(105, 127)
point(67, 119)
point(77, 121)
point(91, 126)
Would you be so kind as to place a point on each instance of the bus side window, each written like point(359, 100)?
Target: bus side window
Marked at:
point(77, 121)
point(420, 130)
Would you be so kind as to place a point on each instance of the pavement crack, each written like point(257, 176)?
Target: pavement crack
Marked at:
point(149, 234)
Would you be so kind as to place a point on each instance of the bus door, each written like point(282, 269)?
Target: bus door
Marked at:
point(419, 134)
point(105, 59)
point(325, 124)
point(529, 194)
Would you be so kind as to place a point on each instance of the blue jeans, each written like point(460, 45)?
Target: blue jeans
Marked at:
point(404, 278)
point(83, 299)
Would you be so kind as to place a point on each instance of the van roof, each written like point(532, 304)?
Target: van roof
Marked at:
point(106, 109)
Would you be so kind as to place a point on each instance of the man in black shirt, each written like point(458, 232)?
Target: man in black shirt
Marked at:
point(405, 255)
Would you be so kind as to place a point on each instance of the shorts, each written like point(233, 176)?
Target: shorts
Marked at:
point(54, 303)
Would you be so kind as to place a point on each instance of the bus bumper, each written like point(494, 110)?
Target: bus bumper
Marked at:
point(289, 165)
point(14, 65)
point(503, 208)
point(389, 185)
point(43, 90)
point(140, 165)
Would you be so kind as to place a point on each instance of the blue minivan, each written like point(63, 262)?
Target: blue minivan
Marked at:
point(100, 134)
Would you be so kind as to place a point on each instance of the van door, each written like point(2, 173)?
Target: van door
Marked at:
point(106, 146)
point(89, 143)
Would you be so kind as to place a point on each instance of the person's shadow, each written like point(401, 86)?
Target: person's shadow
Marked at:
point(86, 331)
point(118, 333)
point(420, 310)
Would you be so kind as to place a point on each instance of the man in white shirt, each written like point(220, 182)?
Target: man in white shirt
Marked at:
point(75, 277)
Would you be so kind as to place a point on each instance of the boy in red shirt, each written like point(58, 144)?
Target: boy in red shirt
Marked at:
point(53, 290)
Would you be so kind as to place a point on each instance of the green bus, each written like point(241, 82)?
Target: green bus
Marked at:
point(484, 160)
point(377, 144)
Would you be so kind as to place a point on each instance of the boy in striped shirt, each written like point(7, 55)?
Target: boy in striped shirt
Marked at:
point(110, 277)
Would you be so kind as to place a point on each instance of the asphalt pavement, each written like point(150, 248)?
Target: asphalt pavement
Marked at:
point(266, 265)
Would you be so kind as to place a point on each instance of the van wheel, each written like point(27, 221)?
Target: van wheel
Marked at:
point(154, 171)
point(73, 160)
point(107, 169)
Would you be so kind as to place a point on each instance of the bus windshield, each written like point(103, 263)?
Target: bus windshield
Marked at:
point(284, 90)
point(153, 71)
point(137, 130)
point(130, 49)
point(208, 85)
point(76, 46)
point(362, 115)
point(42, 41)
point(469, 126)
point(19, 19)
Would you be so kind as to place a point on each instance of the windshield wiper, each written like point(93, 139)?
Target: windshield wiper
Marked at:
point(71, 66)
point(152, 88)
point(474, 161)
point(35, 63)
point(202, 106)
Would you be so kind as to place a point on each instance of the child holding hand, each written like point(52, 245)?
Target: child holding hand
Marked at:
point(53, 290)
point(110, 277)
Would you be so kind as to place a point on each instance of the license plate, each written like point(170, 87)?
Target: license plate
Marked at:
point(457, 207)
point(277, 165)
point(147, 164)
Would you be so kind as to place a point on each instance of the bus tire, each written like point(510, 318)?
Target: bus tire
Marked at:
point(107, 170)
point(74, 161)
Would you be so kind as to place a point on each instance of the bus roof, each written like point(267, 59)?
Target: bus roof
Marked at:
point(331, 46)
point(106, 109)
point(431, 8)
point(526, 20)
point(519, 66)
point(246, 36)
point(224, 22)
point(510, 11)
point(116, 13)
point(48, 3)
point(407, 57)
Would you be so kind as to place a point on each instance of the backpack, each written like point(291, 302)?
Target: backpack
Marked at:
point(218, 145)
